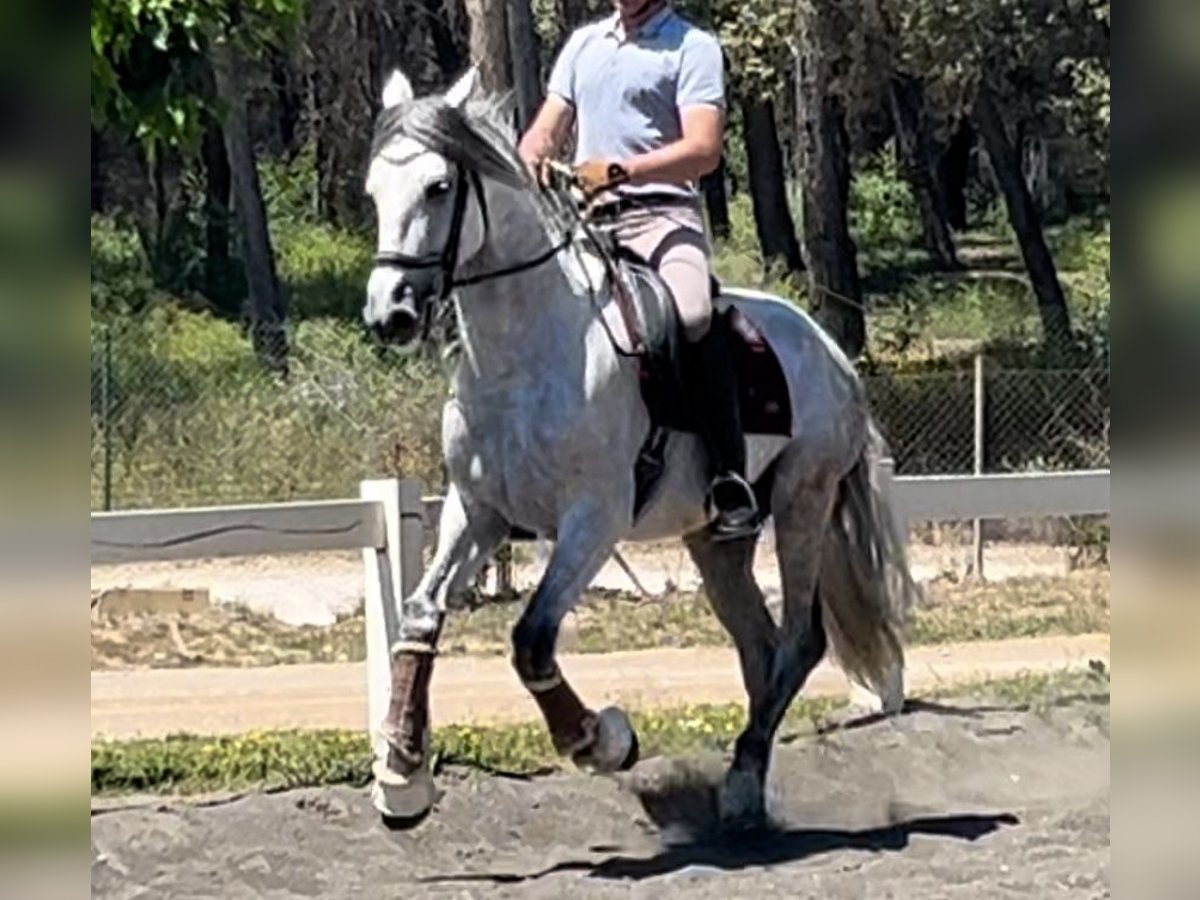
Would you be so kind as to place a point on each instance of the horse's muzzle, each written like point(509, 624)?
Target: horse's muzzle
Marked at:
point(401, 321)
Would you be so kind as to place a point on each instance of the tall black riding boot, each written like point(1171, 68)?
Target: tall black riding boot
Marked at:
point(714, 392)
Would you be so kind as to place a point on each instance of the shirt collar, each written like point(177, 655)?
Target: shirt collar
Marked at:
point(649, 28)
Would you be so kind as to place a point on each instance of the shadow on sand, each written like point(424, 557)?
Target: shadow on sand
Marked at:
point(764, 848)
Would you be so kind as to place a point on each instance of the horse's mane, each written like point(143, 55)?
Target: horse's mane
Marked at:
point(478, 135)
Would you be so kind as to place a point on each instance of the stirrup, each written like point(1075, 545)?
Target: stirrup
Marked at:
point(737, 520)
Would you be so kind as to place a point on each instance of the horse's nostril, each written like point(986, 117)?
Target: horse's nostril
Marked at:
point(399, 327)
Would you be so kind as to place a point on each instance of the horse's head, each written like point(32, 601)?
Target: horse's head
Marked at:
point(429, 156)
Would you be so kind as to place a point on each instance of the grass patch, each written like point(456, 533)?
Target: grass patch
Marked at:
point(190, 764)
point(277, 760)
point(1014, 608)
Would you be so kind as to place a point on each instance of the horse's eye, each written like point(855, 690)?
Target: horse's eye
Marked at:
point(439, 188)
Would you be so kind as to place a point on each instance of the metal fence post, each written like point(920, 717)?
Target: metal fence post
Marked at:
point(977, 524)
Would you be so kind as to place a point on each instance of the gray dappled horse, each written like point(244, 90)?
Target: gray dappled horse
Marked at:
point(546, 425)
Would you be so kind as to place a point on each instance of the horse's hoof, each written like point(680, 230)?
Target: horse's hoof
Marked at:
point(402, 801)
point(740, 803)
point(886, 699)
point(403, 823)
point(634, 754)
point(615, 748)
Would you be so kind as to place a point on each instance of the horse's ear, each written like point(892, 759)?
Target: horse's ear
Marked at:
point(463, 89)
point(397, 90)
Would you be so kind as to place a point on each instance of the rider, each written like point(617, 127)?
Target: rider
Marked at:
point(646, 90)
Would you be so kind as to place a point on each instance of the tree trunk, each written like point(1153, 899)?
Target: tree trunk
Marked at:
point(446, 49)
point(712, 186)
point(768, 190)
point(489, 43)
point(953, 171)
point(907, 101)
point(1023, 216)
point(267, 310)
point(99, 182)
point(574, 13)
point(217, 177)
point(526, 55)
point(289, 101)
point(834, 287)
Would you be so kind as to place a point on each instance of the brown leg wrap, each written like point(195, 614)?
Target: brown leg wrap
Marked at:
point(408, 714)
point(572, 725)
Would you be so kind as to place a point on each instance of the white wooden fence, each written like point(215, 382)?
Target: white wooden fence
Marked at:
point(391, 523)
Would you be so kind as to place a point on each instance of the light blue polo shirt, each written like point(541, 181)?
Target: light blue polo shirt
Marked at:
point(627, 91)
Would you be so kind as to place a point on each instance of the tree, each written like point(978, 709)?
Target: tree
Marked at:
point(1022, 70)
point(526, 53)
point(834, 287)
point(712, 186)
point(772, 217)
point(907, 96)
point(489, 43)
point(756, 60)
point(268, 306)
point(1026, 223)
point(150, 70)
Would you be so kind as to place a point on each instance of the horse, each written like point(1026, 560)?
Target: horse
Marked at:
point(542, 431)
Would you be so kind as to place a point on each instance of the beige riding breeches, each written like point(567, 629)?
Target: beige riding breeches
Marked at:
point(673, 239)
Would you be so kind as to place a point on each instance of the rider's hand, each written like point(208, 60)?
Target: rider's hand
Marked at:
point(596, 175)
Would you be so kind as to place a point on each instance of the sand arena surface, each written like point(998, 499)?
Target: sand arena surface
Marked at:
point(961, 800)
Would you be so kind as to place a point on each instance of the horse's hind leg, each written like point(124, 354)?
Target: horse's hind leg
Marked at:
point(801, 513)
point(737, 601)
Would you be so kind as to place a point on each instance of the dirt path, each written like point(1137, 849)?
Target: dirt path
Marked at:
point(466, 689)
point(962, 801)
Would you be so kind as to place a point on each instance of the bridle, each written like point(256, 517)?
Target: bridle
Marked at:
point(447, 260)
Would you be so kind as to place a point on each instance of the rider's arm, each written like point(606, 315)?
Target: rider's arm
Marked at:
point(552, 124)
point(548, 131)
point(700, 99)
point(695, 154)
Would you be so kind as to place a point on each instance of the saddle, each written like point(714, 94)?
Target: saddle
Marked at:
point(642, 321)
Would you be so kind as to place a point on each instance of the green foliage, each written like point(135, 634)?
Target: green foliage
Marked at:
point(121, 279)
point(324, 270)
point(182, 384)
point(147, 60)
point(757, 38)
point(883, 212)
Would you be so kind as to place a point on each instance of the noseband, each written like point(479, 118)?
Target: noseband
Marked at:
point(447, 260)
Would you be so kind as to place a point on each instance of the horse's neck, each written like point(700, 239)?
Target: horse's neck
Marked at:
point(526, 326)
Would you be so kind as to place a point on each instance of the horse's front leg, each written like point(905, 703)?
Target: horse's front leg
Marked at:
point(466, 538)
point(603, 741)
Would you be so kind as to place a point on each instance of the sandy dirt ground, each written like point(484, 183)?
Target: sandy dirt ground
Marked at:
point(954, 801)
point(156, 702)
point(315, 588)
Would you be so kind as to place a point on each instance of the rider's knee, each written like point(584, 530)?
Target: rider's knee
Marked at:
point(696, 324)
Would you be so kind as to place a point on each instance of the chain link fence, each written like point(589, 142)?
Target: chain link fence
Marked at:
point(178, 421)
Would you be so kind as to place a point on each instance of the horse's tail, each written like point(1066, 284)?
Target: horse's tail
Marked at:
point(866, 588)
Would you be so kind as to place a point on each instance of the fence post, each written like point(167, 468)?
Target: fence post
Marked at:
point(106, 412)
point(885, 476)
point(391, 575)
point(977, 524)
